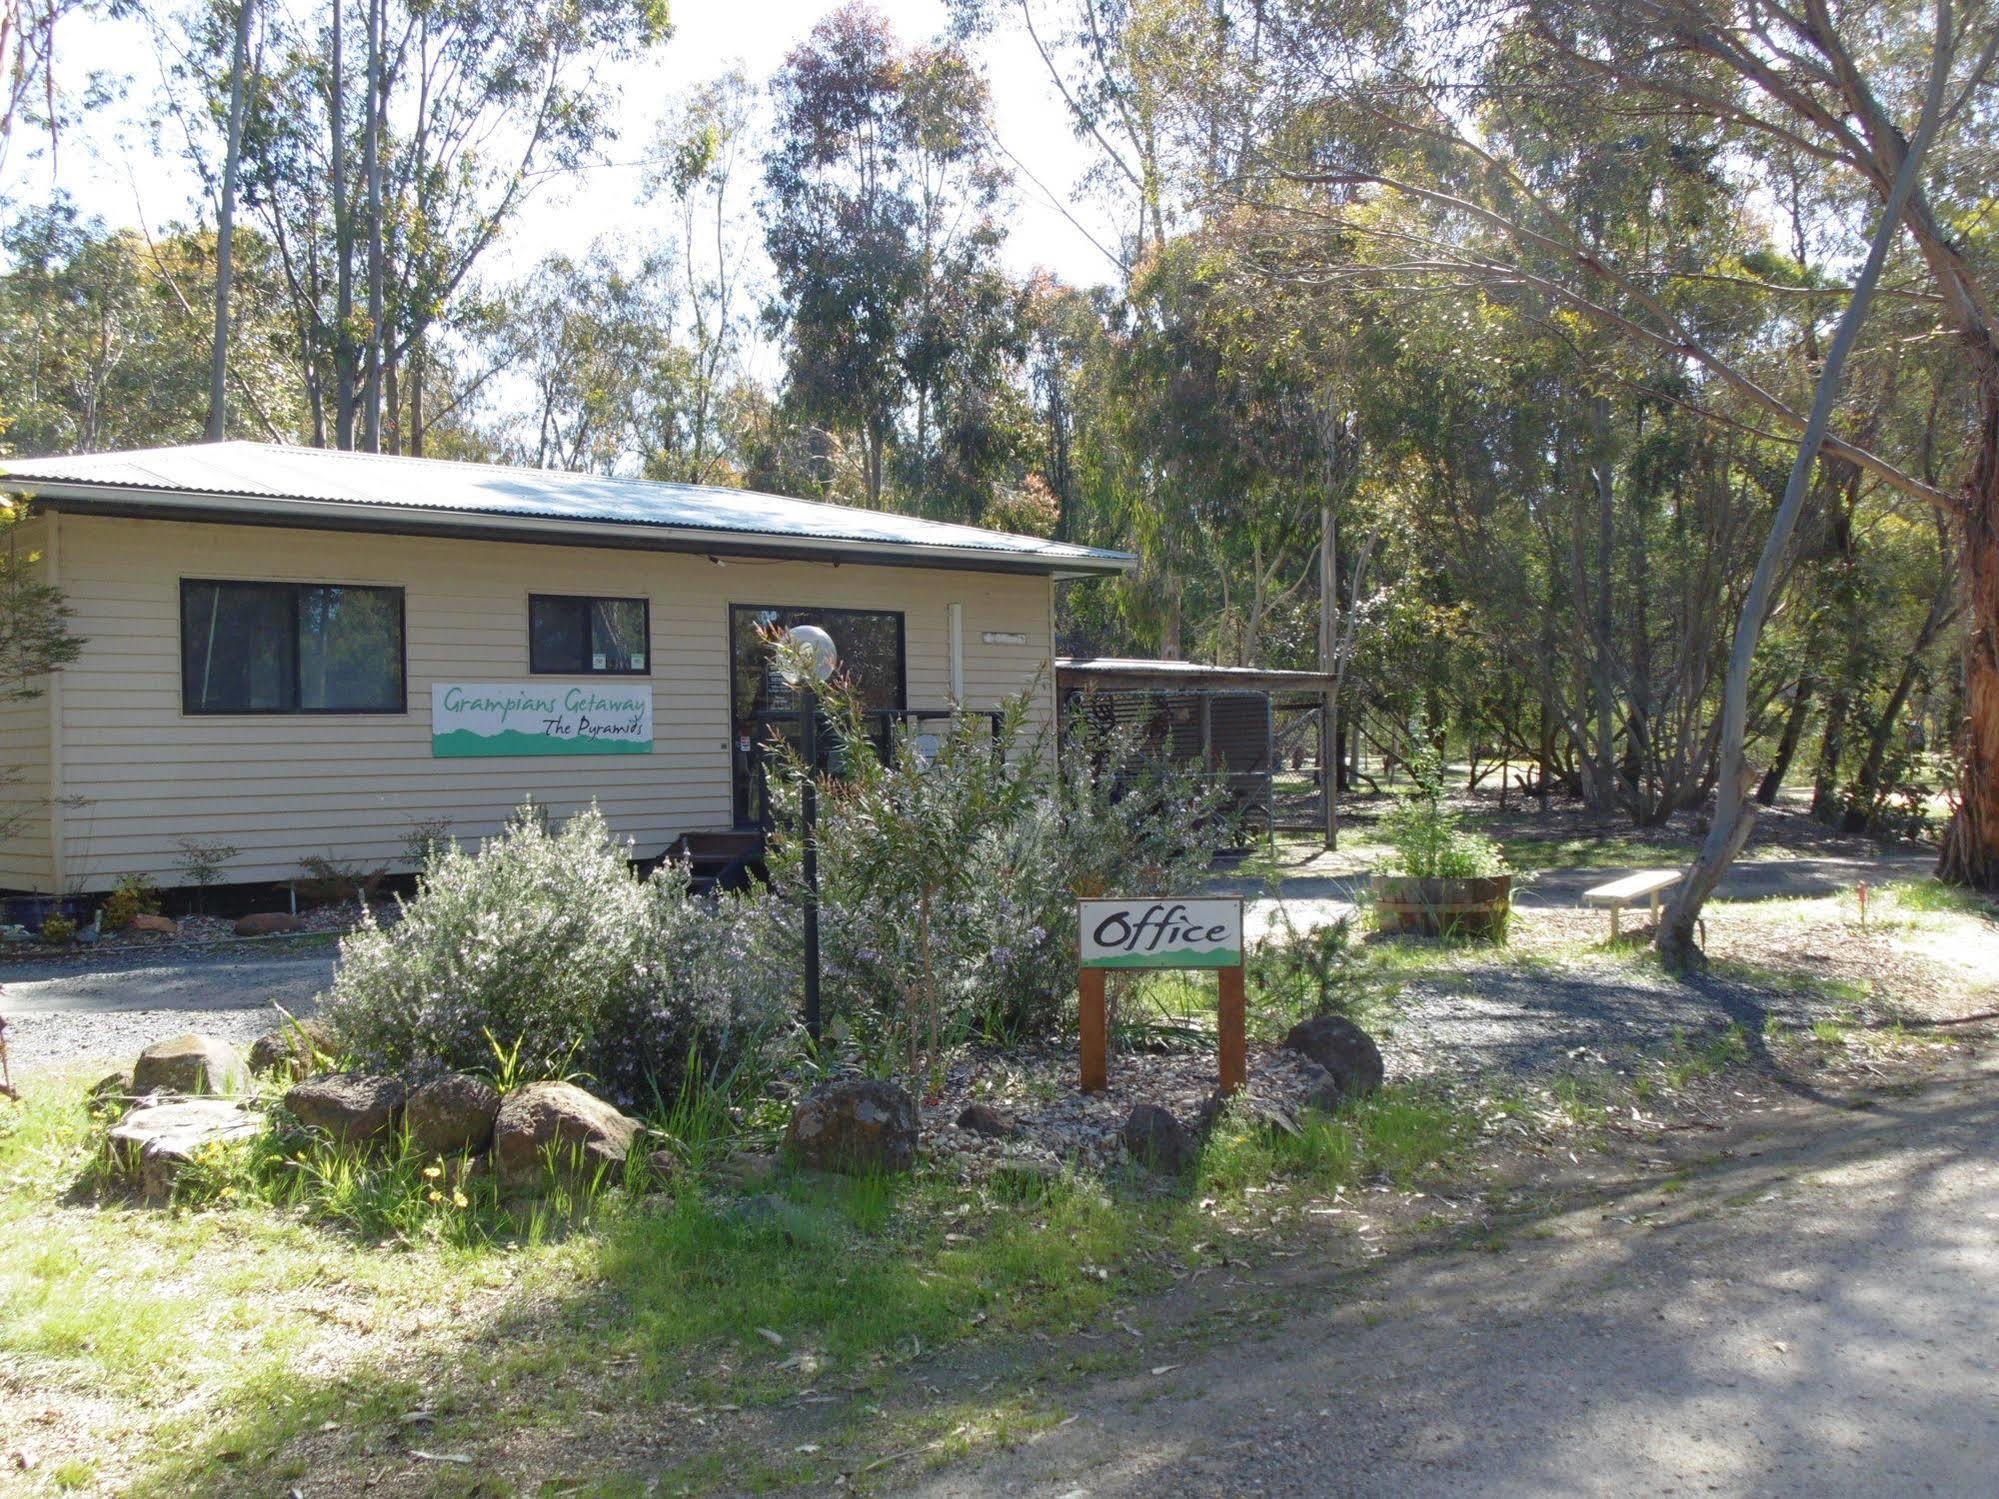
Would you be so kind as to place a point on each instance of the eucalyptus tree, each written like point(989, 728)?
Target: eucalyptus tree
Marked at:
point(881, 206)
point(699, 164)
point(592, 338)
point(28, 88)
point(1483, 152)
point(388, 183)
point(103, 335)
point(1843, 89)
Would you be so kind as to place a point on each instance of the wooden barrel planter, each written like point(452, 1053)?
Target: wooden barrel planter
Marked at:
point(1443, 908)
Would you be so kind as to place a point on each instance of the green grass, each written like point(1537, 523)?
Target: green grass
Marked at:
point(1688, 1059)
point(281, 1320)
point(1614, 851)
point(1933, 897)
point(1398, 1134)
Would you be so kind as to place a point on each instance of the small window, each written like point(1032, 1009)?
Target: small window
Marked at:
point(290, 648)
point(588, 637)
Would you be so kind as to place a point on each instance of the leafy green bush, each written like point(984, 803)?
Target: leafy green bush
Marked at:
point(1433, 844)
point(543, 947)
point(950, 870)
point(134, 895)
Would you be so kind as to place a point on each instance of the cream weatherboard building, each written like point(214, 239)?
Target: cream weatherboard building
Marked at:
point(295, 652)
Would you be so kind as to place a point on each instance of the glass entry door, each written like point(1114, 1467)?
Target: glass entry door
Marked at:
point(763, 708)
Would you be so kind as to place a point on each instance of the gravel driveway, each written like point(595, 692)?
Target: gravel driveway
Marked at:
point(1817, 1314)
point(1312, 898)
point(109, 1009)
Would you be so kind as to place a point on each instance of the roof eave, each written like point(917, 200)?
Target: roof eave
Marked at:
point(160, 503)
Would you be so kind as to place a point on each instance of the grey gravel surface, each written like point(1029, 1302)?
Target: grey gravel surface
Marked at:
point(1817, 1314)
point(1524, 1020)
point(1333, 894)
point(108, 1010)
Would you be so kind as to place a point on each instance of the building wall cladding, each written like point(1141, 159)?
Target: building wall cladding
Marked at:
point(137, 774)
point(26, 854)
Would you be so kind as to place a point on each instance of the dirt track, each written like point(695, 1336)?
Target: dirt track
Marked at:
point(1815, 1311)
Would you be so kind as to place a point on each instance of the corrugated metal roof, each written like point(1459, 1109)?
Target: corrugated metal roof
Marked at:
point(292, 482)
point(1192, 672)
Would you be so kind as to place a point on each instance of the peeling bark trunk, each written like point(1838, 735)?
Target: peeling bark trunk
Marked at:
point(1971, 843)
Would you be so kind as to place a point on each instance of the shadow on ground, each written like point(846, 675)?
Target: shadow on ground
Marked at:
point(1813, 1315)
point(1805, 1318)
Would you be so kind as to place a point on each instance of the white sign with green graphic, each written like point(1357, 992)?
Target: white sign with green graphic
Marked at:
point(1163, 933)
point(539, 718)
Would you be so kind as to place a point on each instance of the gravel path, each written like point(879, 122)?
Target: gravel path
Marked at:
point(109, 1010)
point(1313, 897)
point(1818, 1314)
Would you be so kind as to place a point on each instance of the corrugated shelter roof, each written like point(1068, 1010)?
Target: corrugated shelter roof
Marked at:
point(1121, 671)
point(270, 484)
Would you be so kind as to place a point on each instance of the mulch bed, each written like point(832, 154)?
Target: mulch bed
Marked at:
point(200, 931)
point(1058, 1124)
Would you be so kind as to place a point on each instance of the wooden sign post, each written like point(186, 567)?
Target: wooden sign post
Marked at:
point(1160, 933)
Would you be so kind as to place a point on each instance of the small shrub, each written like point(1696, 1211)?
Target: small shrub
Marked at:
point(326, 881)
point(1297, 974)
point(1433, 844)
point(203, 864)
point(58, 930)
point(1429, 842)
point(544, 946)
point(134, 895)
point(425, 841)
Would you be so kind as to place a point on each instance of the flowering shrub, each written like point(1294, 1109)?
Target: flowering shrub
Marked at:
point(949, 872)
point(544, 947)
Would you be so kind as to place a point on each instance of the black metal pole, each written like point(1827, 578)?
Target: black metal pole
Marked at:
point(809, 816)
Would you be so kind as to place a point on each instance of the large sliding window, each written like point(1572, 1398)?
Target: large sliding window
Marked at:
point(571, 636)
point(290, 648)
point(763, 708)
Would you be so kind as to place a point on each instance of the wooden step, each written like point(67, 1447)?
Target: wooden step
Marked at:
point(720, 860)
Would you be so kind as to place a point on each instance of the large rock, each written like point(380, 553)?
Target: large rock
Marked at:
point(268, 924)
point(151, 1144)
point(294, 1048)
point(152, 921)
point(855, 1125)
point(1154, 1137)
point(1344, 1050)
point(349, 1106)
point(190, 1064)
point(984, 1119)
point(453, 1114)
point(559, 1127)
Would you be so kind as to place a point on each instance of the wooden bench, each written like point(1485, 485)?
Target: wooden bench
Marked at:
point(1646, 886)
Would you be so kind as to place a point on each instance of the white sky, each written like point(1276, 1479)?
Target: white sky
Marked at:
point(112, 168)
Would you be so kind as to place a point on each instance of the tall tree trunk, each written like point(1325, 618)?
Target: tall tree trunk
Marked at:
point(225, 233)
point(416, 400)
point(1735, 808)
point(392, 411)
point(1867, 785)
point(1329, 698)
point(1604, 794)
point(1832, 749)
point(343, 244)
point(1971, 842)
point(371, 169)
point(1787, 745)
